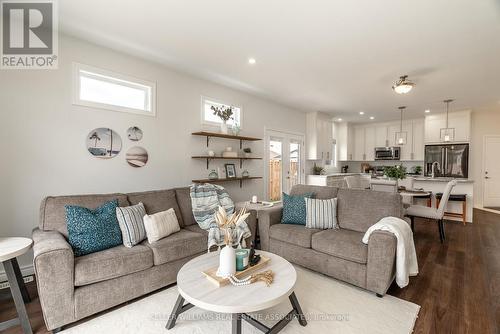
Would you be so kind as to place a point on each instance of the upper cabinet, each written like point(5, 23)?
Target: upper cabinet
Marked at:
point(459, 120)
point(343, 135)
point(362, 140)
point(319, 137)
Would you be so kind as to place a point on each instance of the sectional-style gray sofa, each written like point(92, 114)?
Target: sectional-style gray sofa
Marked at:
point(71, 288)
point(339, 253)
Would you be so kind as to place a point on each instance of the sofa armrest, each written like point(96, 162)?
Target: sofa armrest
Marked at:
point(54, 269)
point(267, 218)
point(381, 261)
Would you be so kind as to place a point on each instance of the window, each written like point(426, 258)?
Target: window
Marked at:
point(99, 88)
point(208, 116)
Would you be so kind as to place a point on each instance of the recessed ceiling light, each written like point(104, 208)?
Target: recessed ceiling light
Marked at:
point(371, 117)
point(427, 110)
point(361, 112)
point(251, 61)
point(339, 119)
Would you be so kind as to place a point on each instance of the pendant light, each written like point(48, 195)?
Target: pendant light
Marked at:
point(447, 134)
point(403, 86)
point(401, 136)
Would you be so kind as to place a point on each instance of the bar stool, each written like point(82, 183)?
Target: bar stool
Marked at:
point(455, 198)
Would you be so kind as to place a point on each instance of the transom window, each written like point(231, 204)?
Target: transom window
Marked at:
point(103, 89)
point(208, 116)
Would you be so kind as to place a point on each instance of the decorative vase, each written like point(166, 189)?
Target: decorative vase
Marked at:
point(223, 127)
point(227, 262)
point(236, 129)
point(245, 173)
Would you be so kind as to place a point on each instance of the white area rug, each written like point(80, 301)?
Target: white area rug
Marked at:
point(330, 306)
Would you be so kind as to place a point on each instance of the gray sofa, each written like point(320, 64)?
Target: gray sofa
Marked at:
point(339, 253)
point(71, 288)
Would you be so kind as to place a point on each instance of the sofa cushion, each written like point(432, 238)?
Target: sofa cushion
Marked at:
point(131, 220)
point(110, 263)
point(319, 192)
point(196, 228)
point(345, 244)
point(177, 246)
point(161, 225)
point(358, 209)
point(184, 199)
point(53, 213)
point(90, 230)
point(156, 201)
point(294, 234)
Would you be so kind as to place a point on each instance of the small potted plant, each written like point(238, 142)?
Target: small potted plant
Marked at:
point(317, 170)
point(395, 173)
point(225, 113)
point(247, 151)
point(417, 170)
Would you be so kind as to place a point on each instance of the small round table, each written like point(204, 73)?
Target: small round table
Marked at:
point(198, 291)
point(10, 248)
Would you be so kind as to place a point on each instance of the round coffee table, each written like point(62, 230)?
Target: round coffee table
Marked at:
point(198, 291)
point(10, 248)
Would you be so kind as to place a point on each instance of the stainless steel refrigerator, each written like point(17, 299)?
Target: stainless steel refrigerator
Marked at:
point(451, 160)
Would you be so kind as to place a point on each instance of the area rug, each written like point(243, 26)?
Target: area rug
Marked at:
point(329, 305)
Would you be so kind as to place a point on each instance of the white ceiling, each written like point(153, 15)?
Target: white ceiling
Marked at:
point(335, 56)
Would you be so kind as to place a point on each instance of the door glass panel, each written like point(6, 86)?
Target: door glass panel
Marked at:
point(275, 168)
point(294, 170)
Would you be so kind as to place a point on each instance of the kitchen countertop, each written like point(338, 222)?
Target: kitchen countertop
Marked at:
point(336, 174)
point(442, 179)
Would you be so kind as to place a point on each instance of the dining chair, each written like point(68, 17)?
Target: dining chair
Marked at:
point(433, 213)
point(353, 182)
point(391, 187)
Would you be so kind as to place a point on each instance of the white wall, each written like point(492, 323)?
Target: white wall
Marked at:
point(485, 121)
point(43, 134)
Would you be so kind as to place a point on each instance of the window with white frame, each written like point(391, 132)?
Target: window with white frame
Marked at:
point(103, 89)
point(208, 116)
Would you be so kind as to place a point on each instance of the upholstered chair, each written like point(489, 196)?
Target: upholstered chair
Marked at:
point(357, 182)
point(433, 213)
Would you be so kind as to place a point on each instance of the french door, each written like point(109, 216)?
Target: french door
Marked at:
point(284, 161)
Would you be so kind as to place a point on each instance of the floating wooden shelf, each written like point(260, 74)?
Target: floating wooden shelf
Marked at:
point(226, 136)
point(225, 158)
point(228, 180)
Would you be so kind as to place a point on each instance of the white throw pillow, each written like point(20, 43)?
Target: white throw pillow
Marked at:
point(321, 213)
point(161, 225)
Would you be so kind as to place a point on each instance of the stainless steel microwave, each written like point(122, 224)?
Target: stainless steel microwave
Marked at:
point(388, 153)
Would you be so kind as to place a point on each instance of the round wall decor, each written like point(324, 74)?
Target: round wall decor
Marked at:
point(137, 156)
point(104, 143)
point(134, 133)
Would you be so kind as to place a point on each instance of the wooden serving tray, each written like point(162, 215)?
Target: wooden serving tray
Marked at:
point(219, 281)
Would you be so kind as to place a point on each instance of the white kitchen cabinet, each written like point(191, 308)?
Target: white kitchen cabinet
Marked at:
point(319, 138)
point(381, 139)
point(343, 135)
point(370, 143)
point(418, 140)
point(359, 143)
point(460, 120)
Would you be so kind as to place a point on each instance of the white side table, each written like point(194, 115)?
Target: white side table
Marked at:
point(10, 248)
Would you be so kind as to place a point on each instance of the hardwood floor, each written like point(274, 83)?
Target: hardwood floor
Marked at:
point(458, 286)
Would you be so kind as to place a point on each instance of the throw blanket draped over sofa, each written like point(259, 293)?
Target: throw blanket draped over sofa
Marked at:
point(205, 200)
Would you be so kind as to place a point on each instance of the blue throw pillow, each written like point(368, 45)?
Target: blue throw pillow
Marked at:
point(294, 209)
point(93, 230)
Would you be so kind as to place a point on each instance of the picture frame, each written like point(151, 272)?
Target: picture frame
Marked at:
point(230, 170)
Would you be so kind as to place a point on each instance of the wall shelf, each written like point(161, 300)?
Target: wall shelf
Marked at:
point(225, 136)
point(228, 180)
point(208, 158)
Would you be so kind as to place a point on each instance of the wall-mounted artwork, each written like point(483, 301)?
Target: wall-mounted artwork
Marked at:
point(137, 156)
point(104, 143)
point(134, 133)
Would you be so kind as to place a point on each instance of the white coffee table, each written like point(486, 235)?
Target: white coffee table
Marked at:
point(10, 248)
point(198, 291)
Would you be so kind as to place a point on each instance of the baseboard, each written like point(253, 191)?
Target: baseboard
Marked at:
point(25, 270)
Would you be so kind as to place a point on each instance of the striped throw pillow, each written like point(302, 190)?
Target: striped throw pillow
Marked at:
point(131, 223)
point(321, 213)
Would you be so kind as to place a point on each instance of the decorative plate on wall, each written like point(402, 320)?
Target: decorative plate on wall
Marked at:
point(137, 156)
point(134, 133)
point(104, 143)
